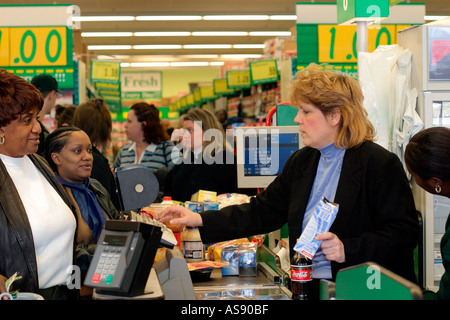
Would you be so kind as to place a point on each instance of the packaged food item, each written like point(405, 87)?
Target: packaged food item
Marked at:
point(229, 254)
point(321, 221)
point(194, 206)
point(247, 259)
point(192, 246)
point(210, 206)
point(204, 195)
point(214, 250)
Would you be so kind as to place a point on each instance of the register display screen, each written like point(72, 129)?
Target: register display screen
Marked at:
point(114, 240)
point(266, 153)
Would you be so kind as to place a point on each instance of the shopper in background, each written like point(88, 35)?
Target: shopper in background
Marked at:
point(377, 219)
point(221, 115)
point(37, 224)
point(208, 163)
point(68, 150)
point(427, 159)
point(150, 145)
point(64, 115)
point(94, 118)
point(48, 87)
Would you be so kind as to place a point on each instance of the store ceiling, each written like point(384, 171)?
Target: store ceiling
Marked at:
point(189, 7)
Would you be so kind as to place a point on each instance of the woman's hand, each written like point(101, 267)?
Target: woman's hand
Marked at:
point(179, 215)
point(332, 247)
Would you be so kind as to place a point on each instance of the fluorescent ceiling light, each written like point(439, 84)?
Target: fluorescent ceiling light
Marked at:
point(236, 17)
point(163, 34)
point(106, 34)
point(220, 33)
point(270, 33)
point(188, 64)
point(434, 18)
point(199, 56)
point(167, 18)
point(248, 46)
point(103, 18)
point(207, 46)
point(157, 46)
point(217, 63)
point(240, 56)
point(283, 17)
point(109, 47)
point(149, 64)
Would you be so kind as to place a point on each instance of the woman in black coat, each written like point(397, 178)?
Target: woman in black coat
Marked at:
point(376, 220)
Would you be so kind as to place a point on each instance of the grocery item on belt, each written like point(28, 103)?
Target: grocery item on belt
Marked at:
point(320, 222)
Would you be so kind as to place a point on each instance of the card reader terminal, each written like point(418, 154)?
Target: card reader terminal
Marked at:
point(123, 258)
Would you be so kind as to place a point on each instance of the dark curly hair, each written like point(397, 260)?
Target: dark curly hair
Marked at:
point(17, 97)
point(148, 115)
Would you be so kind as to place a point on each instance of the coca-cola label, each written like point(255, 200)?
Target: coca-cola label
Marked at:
point(301, 273)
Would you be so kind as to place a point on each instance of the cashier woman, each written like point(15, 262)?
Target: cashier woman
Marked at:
point(377, 219)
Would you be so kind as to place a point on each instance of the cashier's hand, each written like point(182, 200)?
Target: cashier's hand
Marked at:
point(332, 247)
point(179, 215)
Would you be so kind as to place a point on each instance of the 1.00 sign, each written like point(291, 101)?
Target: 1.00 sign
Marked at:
point(35, 46)
point(338, 43)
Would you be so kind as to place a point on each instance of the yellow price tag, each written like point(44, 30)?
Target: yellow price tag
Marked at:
point(207, 92)
point(37, 46)
point(220, 86)
point(105, 71)
point(190, 99)
point(338, 43)
point(197, 96)
point(4, 46)
point(238, 78)
point(264, 70)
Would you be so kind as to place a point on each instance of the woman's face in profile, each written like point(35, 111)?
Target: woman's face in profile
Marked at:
point(74, 162)
point(21, 135)
point(193, 135)
point(133, 127)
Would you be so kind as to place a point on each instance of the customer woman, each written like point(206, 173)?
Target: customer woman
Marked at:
point(69, 152)
point(37, 224)
point(94, 118)
point(149, 144)
point(208, 160)
point(427, 159)
point(376, 220)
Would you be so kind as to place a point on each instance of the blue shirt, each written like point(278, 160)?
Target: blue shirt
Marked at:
point(325, 185)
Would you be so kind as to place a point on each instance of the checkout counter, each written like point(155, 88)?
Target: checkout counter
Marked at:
point(169, 279)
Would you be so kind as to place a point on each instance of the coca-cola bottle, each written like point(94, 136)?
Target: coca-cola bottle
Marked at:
point(301, 269)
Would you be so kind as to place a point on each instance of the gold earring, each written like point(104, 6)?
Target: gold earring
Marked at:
point(2, 139)
point(437, 188)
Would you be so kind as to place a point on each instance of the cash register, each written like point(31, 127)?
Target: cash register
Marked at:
point(126, 249)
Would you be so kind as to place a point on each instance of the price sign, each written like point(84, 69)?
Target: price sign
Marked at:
point(33, 46)
point(238, 79)
point(207, 93)
point(105, 71)
point(338, 43)
point(197, 96)
point(190, 100)
point(264, 71)
point(220, 87)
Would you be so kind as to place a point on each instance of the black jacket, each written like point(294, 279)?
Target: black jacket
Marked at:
point(185, 179)
point(17, 252)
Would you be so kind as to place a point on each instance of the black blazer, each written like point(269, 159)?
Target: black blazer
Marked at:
point(376, 221)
